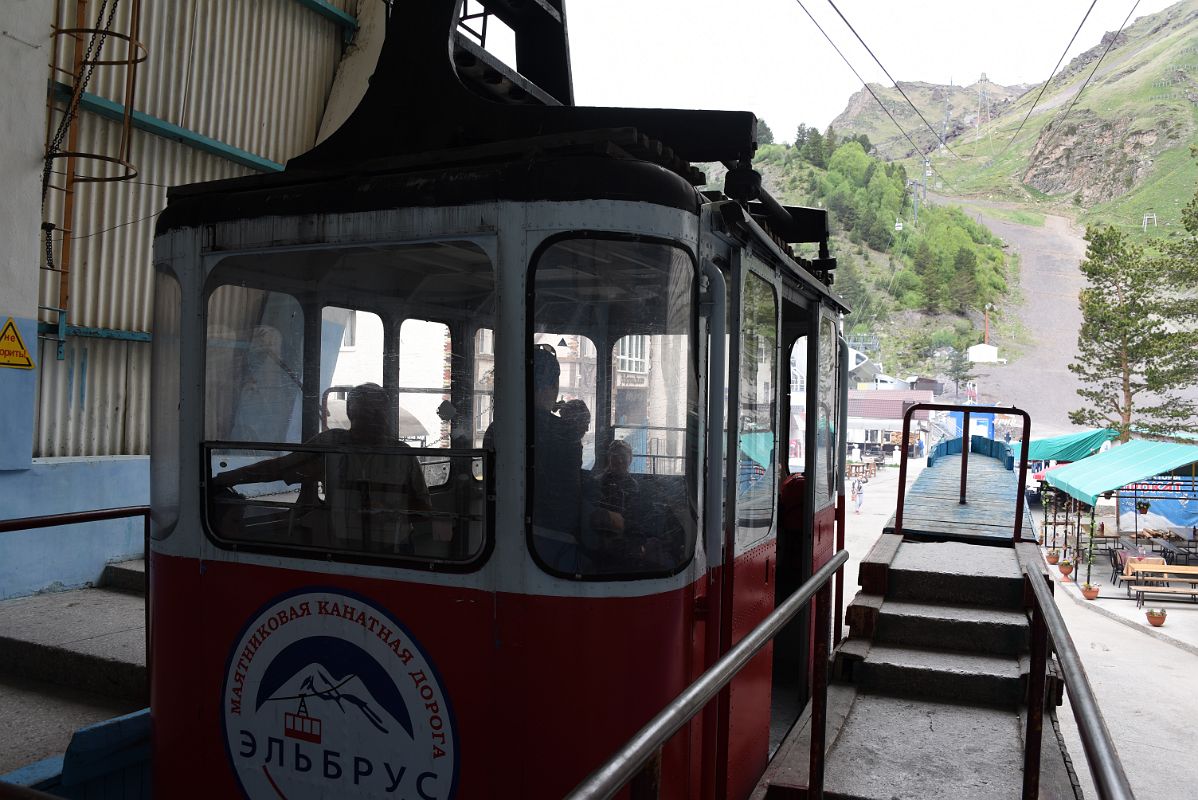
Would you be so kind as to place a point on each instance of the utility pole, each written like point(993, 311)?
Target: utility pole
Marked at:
point(983, 106)
point(914, 187)
point(944, 125)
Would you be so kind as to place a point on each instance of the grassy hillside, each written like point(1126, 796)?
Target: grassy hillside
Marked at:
point(927, 282)
point(1121, 150)
point(952, 112)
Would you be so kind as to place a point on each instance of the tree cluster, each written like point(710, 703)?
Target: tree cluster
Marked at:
point(818, 148)
point(1139, 321)
point(946, 263)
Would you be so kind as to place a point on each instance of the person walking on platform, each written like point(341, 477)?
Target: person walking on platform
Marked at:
point(858, 494)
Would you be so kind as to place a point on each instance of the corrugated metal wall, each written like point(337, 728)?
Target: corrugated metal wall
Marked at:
point(254, 74)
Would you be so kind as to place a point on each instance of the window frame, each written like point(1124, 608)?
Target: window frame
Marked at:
point(755, 267)
point(312, 305)
point(693, 471)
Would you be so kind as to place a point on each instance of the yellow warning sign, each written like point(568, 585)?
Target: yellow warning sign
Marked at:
point(13, 352)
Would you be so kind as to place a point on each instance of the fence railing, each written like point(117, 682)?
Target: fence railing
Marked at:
point(98, 515)
point(1048, 627)
point(639, 760)
point(965, 410)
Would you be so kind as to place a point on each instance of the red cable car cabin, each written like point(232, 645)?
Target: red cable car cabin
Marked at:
point(457, 481)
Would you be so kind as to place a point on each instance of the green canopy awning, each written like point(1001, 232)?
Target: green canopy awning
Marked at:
point(759, 447)
point(1070, 447)
point(1128, 463)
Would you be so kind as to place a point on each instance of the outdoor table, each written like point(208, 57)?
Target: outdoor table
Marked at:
point(1162, 573)
point(1131, 545)
point(1133, 564)
point(1170, 550)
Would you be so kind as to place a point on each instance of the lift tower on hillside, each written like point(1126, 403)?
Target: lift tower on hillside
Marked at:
point(983, 105)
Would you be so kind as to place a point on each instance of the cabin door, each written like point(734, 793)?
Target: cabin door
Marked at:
point(751, 490)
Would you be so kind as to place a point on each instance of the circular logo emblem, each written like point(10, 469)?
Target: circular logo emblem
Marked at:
point(326, 694)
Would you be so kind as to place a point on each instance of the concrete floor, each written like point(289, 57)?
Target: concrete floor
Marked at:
point(67, 659)
point(39, 718)
point(1144, 678)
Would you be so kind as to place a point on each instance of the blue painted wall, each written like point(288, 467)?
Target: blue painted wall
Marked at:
point(69, 556)
point(16, 399)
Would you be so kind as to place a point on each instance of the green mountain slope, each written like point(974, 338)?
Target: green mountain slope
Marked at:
point(1109, 155)
point(919, 289)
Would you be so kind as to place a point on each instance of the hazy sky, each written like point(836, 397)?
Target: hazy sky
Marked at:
point(766, 56)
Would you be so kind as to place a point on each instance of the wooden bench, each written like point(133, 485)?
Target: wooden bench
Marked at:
point(1142, 589)
point(1142, 575)
point(1132, 570)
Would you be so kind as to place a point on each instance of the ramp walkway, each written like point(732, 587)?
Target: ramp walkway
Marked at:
point(933, 505)
point(931, 688)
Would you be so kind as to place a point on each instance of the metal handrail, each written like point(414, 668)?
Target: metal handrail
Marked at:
point(965, 410)
point(1110, 781)
point(98, 515)
point(622, 767)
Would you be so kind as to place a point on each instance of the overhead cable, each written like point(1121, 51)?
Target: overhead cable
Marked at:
point(877, 99)
point(877, 61)
point(1048, 81)
point(1057, 125)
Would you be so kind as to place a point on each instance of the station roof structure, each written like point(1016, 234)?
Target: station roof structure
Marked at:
point(1128, 463)
point(886, 403)
point(1070, 447)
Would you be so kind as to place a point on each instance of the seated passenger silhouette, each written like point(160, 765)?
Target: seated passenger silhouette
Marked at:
point(370, 499)
point(618, 490)
point(556, 469)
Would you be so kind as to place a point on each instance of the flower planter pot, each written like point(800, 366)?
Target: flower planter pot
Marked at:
point(1090, 593)
point(1065, 570)
point(1155, 620)
point(1053, 558)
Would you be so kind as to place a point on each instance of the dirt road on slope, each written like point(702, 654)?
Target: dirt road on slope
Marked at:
point(1038, 380)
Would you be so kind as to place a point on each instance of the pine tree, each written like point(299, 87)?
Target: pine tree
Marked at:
point(830, 142)
point(960, 368)
point(1135, 346)
point(801, 136)
point(764, 134)
point(813, 150)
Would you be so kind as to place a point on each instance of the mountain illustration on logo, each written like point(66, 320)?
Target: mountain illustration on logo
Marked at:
point(320, 673)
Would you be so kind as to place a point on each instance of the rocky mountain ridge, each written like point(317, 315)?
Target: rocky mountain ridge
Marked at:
point(1109, 142)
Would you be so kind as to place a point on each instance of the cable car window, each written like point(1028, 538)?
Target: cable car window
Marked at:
point(798, 407)
point(756, 470)
point(425, 364)
point(165, 398)
point(484, 383)
point(362, 451)
point(578, 361)
point(644, 413)
point(347, 365)
point(425, 405)
point(254, 368)
point(827, 405)
point(631, 511)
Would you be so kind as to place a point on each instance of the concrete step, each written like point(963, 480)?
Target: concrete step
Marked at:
point(789, 768)
point(125, 576)
point(939, 675)
point(92, 640)
point(965, 628)
point(955, 573)
point(906, 748)
point(933, 625)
